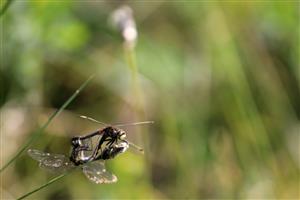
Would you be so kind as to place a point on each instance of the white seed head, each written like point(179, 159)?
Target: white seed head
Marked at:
point(122, 19)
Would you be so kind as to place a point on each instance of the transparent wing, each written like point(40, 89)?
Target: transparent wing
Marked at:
point(88, 152)
point(57, 163)
point(96, 172)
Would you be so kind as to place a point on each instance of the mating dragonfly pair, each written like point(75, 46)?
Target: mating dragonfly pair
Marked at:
point(111, 141)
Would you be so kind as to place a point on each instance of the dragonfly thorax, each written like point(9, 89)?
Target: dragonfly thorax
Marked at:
point(113, 132)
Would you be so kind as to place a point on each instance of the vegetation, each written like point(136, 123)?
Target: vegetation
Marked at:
point(220, 80)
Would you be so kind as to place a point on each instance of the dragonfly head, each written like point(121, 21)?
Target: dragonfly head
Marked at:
point(122, 135)
point(116, 133)
point(76, 142)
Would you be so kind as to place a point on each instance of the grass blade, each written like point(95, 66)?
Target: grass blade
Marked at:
point(5, 7)
point(39, 132)
point(44, 185)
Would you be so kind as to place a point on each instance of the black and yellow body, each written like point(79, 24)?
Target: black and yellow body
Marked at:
point(112, 138)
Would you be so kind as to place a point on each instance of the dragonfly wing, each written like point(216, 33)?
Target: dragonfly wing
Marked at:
point(36, 154)
point(96, 172)
point(51, 162)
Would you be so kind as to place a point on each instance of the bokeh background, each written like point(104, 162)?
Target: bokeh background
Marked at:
point(220, 80)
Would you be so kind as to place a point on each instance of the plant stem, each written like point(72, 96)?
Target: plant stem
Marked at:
point(36, 135)
point(131, 62)
point(44, 185)
point(5, 7)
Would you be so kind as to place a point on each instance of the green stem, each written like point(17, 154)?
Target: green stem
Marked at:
point(5, 7)
point(36, 135)
point(42, 186)
point(131, 62)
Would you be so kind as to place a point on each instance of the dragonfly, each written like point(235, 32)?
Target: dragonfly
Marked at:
point(90, 160)
point(94, 170)
point(109, 135)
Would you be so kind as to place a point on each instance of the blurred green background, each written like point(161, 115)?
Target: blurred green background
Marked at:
point(220, 80)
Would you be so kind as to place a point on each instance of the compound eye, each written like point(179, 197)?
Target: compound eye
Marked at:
point(122, 135)
point(74, 141)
